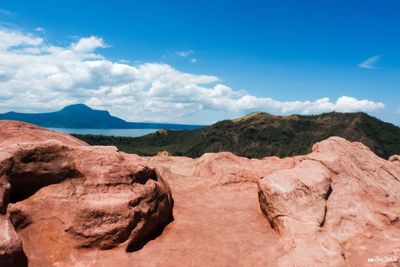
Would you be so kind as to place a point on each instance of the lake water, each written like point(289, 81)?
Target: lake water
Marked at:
point(114, 132)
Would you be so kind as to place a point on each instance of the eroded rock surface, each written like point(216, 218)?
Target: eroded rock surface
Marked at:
point(94, 206)
point(82, 196)
point(339, 205)
point(11, 252)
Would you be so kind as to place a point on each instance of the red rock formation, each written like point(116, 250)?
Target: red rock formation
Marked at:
point(338, 205)
point(101, 197)
point(226, 168)
point(11, 252)
point(14, 132)
point(163, 154)
point(72, 204)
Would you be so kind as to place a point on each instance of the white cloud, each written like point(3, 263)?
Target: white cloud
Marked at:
point(40, 29)
point(37, 76)
point(12, 39)
point(89, 44)
point(193, 60)
point(370, 62)
point(184, 53)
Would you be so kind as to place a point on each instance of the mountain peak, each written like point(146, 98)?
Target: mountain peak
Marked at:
point(81, 116)
point(77, 107)
point(252, 116)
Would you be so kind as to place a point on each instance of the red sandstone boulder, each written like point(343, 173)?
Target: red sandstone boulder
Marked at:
point(13, 132)
point(339, 199)
point(226, 168)
point(102, 198)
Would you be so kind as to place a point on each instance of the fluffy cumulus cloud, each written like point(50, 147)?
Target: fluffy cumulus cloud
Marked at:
point(85, 45)
point(37, 76)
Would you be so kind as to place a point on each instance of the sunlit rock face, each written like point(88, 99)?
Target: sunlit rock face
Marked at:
point(65, 203)
point(338, 205)
point(83, 196)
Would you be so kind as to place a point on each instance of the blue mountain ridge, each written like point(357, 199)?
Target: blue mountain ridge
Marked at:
point(80, 116)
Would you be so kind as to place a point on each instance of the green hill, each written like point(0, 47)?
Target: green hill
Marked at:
point(260, 134)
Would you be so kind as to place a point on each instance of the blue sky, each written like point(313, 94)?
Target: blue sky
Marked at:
point(287, 51)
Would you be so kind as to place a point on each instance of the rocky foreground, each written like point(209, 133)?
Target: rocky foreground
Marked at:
point(64, 203)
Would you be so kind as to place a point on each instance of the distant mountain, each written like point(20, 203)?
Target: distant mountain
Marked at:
point(83, 117)
point(260, 134)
